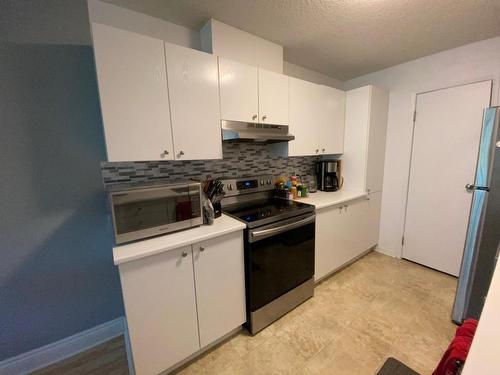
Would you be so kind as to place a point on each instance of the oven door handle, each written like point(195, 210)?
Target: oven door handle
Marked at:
point(283, 228)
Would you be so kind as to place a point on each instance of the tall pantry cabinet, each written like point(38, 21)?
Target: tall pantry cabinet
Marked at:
point(353, 226)
point(364, 146)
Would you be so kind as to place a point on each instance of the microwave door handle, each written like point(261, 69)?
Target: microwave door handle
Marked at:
point(283, 228)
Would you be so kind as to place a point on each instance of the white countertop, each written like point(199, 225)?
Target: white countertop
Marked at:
point(322, 199)
point(140, 249)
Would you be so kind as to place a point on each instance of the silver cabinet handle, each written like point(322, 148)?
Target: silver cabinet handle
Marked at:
point(264, 117)
point(184, 254)
point(283, 228)
point(202, 249)
point(254, 117)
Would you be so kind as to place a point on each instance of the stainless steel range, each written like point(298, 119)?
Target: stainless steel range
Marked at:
point(279, 248)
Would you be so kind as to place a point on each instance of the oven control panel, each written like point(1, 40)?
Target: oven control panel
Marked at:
point(248, 185)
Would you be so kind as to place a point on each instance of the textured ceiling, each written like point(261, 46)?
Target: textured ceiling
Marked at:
point(342, 38)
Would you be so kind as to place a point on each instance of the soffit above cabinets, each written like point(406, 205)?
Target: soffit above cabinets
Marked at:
point(342, 39)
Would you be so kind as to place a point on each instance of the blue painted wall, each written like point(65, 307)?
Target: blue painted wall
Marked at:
point(56, 272)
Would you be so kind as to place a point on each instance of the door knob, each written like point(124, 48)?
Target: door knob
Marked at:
point(264, 117)
point(163, 154)
point(181, 153)
point(184, 254)
point(469, 187)
point(323, 150)
point(254, 117)
point(317, 150)
point(202, 249)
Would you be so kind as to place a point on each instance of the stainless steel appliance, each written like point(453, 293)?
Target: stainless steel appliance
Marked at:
point(145, 210)
point(483, 232)
point(328, 175)
point(236, 130)
point(279, 248)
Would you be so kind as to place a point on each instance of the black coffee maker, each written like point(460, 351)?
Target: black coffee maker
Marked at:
point(327, 175)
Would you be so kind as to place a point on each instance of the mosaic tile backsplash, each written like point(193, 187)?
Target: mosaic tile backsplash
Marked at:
point(240, 159)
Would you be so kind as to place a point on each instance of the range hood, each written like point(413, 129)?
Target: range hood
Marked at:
point(236, 130)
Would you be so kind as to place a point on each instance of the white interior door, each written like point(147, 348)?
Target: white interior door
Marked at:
point(445, 145)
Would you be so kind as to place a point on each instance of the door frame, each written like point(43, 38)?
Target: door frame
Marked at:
point(412, 143)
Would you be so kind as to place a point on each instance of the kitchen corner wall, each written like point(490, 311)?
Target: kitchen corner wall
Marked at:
point(57, 276)
point(240, 159)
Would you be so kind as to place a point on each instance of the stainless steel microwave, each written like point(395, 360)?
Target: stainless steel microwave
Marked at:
point(150, 210)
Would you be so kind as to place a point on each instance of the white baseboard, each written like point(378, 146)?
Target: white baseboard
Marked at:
point(59, 350)
point(386, 252)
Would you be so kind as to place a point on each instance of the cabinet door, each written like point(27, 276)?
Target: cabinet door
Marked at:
point(374, 203)
point(193, 88)
point(304, 117)
point(357, 117)
point(331, 129)
point(133, 92)
point(329, 234)
point(159, 297)
point(220, 286)
point(238, 91)
point(273, 98)
point(379, 106)
point(344, 232)
point(357, 218)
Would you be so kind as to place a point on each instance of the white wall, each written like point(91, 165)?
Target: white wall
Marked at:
point(228, 41)
point(470, 63)
point(300, 72)
point(485, 350)
point(118, 17)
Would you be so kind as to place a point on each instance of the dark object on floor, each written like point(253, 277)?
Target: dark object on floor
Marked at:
point(454, 357)
point(393, 367)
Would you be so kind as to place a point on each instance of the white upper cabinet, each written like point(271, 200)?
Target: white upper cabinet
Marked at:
point(193, 87)
point(317, 116)
point(304, 117)
point(365, 134)
point(331, 128)
point(238, 91)
point(133, 92)
point(273, 98)
point(220, 285)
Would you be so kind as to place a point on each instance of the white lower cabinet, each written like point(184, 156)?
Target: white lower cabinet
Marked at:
point(220, 286)
point(344, 232)
point(182, 300)
point(160, 305)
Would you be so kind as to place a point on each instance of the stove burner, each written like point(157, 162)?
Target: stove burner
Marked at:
point(267, 210)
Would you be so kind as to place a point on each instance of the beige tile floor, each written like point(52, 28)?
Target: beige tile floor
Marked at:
point(375, 308)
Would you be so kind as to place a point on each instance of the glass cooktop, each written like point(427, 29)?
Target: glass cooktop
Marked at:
point(256, 213)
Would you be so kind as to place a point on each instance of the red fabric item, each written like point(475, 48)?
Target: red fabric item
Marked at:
point(458, 349)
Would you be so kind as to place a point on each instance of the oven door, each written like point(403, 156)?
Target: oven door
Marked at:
point(280, 257)
point(147, 212)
